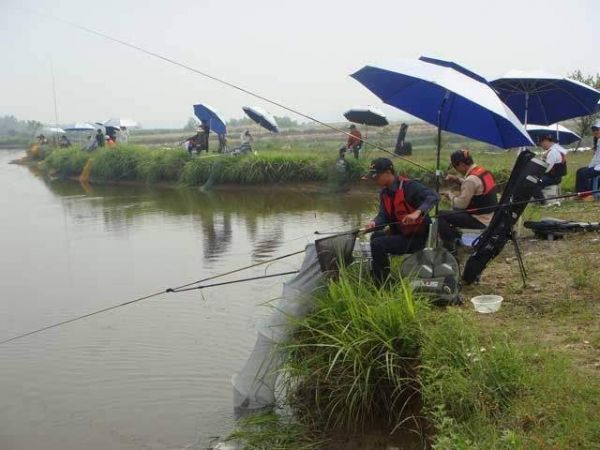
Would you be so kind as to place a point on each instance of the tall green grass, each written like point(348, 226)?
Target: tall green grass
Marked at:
point(352, 362)
point(65, 162)
point(367, 358)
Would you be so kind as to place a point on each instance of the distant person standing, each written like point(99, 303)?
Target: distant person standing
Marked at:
point(354, 142)
point(204, 134)
point(123, 135)
point(585, 175)
point(100, 138)
point(222, 142)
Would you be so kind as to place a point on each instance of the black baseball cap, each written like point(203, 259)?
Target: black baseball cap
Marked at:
point(380, 165)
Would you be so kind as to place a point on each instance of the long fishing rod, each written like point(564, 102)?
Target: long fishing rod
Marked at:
point(169, 290)
point(242, 280)
point(470, 211)
point(218, 80)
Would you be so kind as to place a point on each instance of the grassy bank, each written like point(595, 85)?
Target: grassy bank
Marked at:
point(370, 369)
point(273, 164)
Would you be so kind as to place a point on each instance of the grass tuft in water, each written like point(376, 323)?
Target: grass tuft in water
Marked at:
point(352, 362)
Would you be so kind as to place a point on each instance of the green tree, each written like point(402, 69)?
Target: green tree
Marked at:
point(584, 123)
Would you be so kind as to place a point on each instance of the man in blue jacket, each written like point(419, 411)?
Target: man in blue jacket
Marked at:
point(403, 207)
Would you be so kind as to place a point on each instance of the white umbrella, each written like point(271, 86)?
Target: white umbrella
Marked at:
point(118, 122)
point(52, 130)
point(80, 126)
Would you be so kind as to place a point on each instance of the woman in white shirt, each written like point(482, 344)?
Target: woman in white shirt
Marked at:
point(555, 156)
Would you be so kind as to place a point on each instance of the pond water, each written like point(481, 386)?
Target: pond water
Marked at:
point(155, 374)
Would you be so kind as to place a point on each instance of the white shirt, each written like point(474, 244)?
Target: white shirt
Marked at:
point(595, 163)
point(554, 155)
point(246, 138)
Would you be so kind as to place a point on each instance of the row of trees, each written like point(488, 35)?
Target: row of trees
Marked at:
point(11, 126)
point(583, 124)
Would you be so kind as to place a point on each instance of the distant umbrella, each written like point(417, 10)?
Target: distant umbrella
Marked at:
point(366, 115)
point(565, 136)
point(208, 114)
point(118, 122)
point(544, 98)
point(51, 130)
point(262, 117)
point(81, 126)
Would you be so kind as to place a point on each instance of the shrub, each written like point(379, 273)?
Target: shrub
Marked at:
point(65, 162)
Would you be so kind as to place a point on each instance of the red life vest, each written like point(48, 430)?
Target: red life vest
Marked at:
point(489, 196)
point(397, 208)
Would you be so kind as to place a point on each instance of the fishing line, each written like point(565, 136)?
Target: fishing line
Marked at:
point(155, 294)
point(216, 79)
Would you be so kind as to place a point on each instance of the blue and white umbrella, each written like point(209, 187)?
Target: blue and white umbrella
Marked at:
point(446, 98)
point(262, 117)
point(565, 136)
point(208, 114)
point(366, 115)
point(119, 122)
point(545, 98)
point(81, 126)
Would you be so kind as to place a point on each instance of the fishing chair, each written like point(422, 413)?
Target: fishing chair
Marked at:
point(596, 186)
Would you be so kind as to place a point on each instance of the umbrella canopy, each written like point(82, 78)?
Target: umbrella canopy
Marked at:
point(208, 114)
point(565, 136)
point(51, 130)
point(261, 117)
point(540, 97)
point(118, 122)
point(366, 115)
point(81, 126)
point(447, 98)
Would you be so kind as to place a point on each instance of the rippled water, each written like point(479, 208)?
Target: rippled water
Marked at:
point(156, 374)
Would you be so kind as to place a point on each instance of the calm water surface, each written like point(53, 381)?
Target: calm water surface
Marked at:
point(156, 374)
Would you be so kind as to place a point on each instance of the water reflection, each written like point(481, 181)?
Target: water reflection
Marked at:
point(258, 213)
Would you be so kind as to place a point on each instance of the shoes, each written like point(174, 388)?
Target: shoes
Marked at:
point(587, 198)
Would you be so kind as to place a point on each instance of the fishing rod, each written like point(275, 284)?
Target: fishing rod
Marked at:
point(470, 211)
point(224, 283)
point(169, 290)
point(216, 79)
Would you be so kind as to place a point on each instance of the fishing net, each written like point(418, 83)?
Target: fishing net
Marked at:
point(335, 252)
point(254, 386)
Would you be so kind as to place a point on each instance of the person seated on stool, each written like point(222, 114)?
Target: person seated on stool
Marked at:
point(354, 142)
point(585, 175)
point(555, 156)
point(403, 206)
point(477, 190)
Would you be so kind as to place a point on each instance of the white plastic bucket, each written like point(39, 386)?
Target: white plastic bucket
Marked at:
point(486, 304)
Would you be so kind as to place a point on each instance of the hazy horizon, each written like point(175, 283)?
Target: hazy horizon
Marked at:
point(299, 55)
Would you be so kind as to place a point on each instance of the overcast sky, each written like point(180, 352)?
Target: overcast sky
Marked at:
point(298, 53)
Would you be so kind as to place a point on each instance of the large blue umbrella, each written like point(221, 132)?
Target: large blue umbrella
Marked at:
point(540, 97)
point(206, 113)
point(451, 100)
point(447, 98)
point(262, 117)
